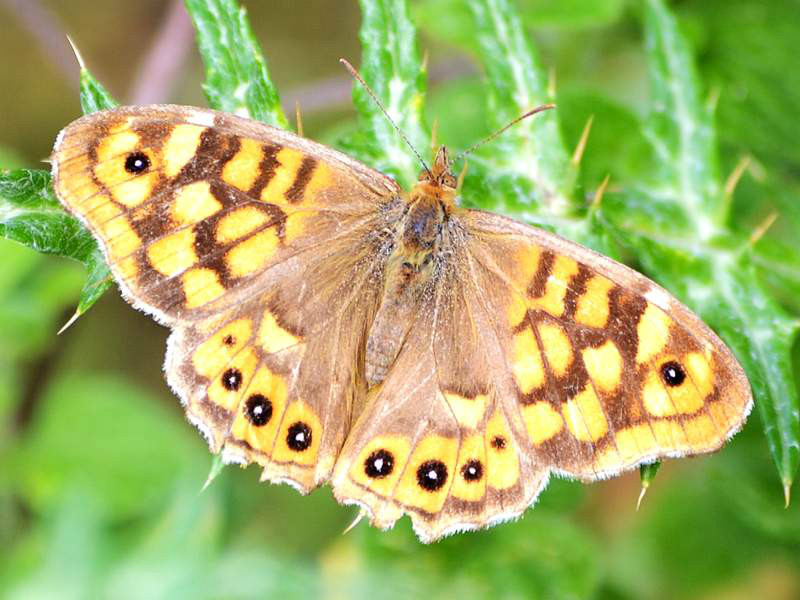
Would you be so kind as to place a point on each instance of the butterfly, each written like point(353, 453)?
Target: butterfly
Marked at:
point(422, 358)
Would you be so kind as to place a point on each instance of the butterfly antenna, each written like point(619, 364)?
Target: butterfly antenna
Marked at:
point(377, 101)
point(502, 130)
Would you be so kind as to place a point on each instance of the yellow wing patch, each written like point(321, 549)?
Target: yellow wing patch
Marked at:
point(584, 416)
point(180, 147)
point(194, 203)
point(542, 421)
point(243, 169)
point(251, 255)
point(604, 365)
point(593, 307)
point(527, 365)
point(552, 301)
point(425, 482)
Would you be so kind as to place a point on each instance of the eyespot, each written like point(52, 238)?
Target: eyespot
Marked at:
point(299, 436)
point(229, 340)
point(432, 475)
point(258, 409)
point(379, 464)
point(232, 379)
point(472, 470)
point(498, 442)
point(672, 373)
point(136, 163)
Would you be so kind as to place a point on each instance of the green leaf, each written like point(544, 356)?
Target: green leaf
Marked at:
point(94, 96)
point(533, 150)
point(570, 13)
point(680, 125)
point(540, 556)
point(237, 80)
point(675, 217)
point(31, 215)
point(391, 67)
point(108, 416)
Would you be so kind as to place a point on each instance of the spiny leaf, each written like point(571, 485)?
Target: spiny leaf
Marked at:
point(237, 80)
point(391, 67)
point(680, 125)
point(94, 96)
point(525, 172)
point(647, 473)
point(675, 218)
point(31, 215)
point(533, 149)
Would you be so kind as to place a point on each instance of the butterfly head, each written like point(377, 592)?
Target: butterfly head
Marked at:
point(438, 183)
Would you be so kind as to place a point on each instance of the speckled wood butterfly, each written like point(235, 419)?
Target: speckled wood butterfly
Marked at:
point(423, 358)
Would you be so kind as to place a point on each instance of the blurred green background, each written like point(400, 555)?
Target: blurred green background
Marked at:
point(100, 475)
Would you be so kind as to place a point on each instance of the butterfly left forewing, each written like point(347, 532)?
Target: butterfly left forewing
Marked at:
point(191, 206)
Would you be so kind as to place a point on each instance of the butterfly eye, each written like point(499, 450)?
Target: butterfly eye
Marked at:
point(432, 475)
point(673, 373)
point(299, 436)
point(379, 464)
point(258, 410)
point(136, 163)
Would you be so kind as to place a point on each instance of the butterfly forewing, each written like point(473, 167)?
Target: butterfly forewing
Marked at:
point(192, 206)
point(610, 369)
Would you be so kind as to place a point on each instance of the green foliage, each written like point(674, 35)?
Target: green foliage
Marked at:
point(391, 66)
point(119, 513)
point(237, 80)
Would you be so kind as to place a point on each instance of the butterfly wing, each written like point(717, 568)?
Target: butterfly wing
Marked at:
point(535, 356)
point(254, 246)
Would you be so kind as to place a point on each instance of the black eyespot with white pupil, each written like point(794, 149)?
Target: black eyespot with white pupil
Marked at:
point(379, 464)
point(472, 470)
point(232, 379)
point(299, 436)
point(432, 475)
point(136, 163)
point(258, 409)
point(673, 373)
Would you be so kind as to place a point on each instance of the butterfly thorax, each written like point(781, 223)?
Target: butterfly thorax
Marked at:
point(428, 206)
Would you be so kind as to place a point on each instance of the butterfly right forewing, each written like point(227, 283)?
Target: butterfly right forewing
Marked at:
point(610, 370)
